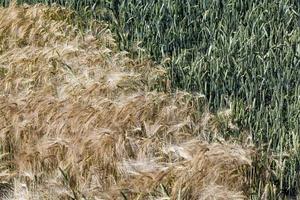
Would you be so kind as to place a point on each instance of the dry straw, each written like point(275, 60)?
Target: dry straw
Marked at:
point(79, 120)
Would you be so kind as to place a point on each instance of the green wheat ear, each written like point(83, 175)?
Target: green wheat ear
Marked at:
point(3, 72)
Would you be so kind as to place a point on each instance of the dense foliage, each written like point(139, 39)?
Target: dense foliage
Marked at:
point(239, 54)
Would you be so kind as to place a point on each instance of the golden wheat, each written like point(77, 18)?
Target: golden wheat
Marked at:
point(79, 120)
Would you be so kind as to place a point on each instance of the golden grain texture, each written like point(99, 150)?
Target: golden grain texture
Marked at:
point(80, 120)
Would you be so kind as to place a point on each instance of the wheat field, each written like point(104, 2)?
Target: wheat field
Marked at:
point(82, 120)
